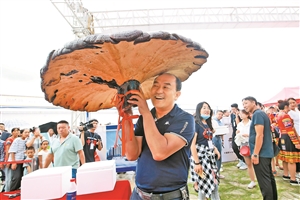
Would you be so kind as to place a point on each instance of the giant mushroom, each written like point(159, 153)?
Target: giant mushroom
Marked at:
point(89, 73)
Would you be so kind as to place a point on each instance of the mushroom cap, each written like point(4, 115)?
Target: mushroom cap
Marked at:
point(86, 73)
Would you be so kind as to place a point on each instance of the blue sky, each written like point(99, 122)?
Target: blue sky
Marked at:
point(242, 62)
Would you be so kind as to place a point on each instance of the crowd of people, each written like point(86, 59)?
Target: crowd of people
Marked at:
point(25, 150)
point(170, 143)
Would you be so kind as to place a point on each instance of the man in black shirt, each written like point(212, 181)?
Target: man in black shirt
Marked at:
point(90, 141)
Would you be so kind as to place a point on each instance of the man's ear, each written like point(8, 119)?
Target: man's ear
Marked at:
point(178, 93)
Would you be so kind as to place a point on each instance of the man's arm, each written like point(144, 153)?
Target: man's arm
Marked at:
point(161, 146)
point(31, 141)
point(259, 129)
point(48, 160)
point(81, 156)
point(14, 165)
point(99, 144)
point(133, 146)
point(82, 137)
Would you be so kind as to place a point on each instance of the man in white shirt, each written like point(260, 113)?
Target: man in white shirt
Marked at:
point(218, 140)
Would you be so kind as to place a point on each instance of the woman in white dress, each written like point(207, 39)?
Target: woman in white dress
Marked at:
point(243, 128)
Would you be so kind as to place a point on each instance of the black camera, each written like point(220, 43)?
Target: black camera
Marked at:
point(87, 125)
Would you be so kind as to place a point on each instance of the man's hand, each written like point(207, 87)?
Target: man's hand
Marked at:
point(80, 128)
point(138, 99)
point(14, 166)
point(255, 160)
point(297, 146)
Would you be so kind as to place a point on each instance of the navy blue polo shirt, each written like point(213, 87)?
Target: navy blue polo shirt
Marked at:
point(260, 118)
point(172, 173)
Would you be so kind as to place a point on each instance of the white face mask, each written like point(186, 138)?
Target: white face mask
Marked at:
point(205, 117)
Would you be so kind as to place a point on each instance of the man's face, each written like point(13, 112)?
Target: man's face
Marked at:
point(2, 127)
point(249, 106)
point(63, 129)
point(163, 92)
point(219, 115)
point(292, 104)
point(95, 125)
point(233, 109)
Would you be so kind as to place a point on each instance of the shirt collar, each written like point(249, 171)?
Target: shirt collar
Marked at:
point(172, 113)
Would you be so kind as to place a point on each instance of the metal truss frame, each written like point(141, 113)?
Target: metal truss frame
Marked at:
point(84, 22)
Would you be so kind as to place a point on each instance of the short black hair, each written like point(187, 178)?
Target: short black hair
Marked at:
point(299, 106)
point(282, 104)
point(63, 122)
point(2, 124)
point(178, 81)
point(30, 148)
point(234, 105)
point(250, 98)
point(33, 129)
point(93, 120)
point(16, 128)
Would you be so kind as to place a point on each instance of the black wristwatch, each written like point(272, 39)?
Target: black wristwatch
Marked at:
point(255, 155)
point(196, 163)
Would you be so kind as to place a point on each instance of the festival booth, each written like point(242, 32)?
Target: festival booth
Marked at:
point(285, 93)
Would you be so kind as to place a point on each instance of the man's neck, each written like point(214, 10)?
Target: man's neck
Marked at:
point(162, 112)
point(254, 110)
point(64, 136)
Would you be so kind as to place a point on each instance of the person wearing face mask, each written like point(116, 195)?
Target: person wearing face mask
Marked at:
point(204, 169)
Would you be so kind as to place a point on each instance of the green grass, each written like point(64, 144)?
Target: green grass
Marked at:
point(234, 186)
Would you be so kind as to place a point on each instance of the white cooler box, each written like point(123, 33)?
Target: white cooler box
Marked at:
point(96, 177)
point(221, 130)
point(49, 183)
